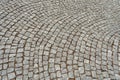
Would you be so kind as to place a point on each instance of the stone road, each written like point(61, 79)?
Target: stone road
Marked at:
point(59, 39)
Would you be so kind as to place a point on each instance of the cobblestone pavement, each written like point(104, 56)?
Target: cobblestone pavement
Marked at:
point(59, 39)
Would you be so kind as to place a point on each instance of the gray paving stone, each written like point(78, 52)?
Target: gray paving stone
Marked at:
point(11, 75)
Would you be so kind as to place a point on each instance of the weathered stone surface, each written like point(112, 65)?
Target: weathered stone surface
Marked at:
point(59, 40)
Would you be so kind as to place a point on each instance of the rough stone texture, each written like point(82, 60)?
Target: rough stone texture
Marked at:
point(59, 39)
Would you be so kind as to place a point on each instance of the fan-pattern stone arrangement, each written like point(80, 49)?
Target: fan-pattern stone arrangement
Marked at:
point(59, 39)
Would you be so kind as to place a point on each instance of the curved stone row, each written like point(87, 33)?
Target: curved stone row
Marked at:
point(44, 40)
